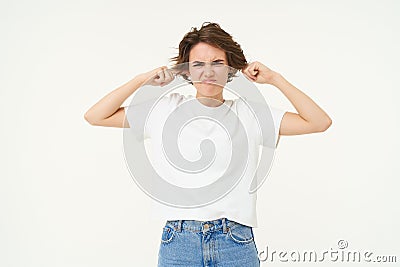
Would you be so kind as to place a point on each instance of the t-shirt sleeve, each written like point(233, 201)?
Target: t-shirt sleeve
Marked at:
point(270, 126)
point(136, 115)
point(143, 116)
point(264, 120)
point(277, 116)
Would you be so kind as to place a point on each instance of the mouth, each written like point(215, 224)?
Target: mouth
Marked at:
point(209, 81)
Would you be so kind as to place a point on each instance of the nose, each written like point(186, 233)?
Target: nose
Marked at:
point(208, 70)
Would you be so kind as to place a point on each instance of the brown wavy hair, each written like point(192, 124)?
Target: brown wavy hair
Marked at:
point(214, 35)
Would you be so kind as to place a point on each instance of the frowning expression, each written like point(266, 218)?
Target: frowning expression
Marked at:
point(208, 69)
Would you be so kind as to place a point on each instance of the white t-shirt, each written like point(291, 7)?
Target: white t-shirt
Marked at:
point(238, 205)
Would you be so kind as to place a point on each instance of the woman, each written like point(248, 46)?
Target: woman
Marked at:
point(219, 234)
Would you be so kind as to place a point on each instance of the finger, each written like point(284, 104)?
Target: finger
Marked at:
point(245, 69)
point(248, 76)
point(249, 71)
point(169, 75)
point(253, 69)
point(161, 76)
point(157, 70)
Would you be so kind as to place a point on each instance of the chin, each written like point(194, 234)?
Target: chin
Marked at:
point(209, 90)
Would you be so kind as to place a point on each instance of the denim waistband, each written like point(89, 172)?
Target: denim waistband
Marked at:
point(202, 226)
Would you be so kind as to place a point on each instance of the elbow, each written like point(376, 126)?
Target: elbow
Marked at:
point(325, 125)
point(89, 119)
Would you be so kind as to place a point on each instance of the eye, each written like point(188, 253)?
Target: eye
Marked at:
point(217, 63)
point(198, 64)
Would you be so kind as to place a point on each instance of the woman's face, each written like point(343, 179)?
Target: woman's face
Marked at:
point(208, 70)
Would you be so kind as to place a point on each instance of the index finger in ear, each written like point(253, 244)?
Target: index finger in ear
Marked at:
point(169, 75)
point(248, 73)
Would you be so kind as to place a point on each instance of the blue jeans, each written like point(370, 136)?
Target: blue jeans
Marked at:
point(220, 242)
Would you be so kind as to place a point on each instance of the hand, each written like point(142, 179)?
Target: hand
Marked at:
point(158, 77)
point(259, 73)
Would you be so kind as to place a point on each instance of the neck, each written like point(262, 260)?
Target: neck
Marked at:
point(210, 101)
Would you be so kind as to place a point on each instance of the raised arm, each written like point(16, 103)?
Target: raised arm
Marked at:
point(310, 117)
point(108, 111)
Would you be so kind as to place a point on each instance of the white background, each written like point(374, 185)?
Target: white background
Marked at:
point(66, 195)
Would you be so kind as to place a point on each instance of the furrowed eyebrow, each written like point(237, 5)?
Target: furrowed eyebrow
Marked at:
point(217, 60)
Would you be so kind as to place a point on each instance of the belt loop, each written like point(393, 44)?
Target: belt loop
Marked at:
point(179, 225)
point(224, 225)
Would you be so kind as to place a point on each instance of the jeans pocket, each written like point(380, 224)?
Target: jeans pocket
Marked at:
point(241, 234)
point(167, 235)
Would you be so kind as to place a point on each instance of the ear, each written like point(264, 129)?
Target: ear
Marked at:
point(185, 72)
point(231, 74)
